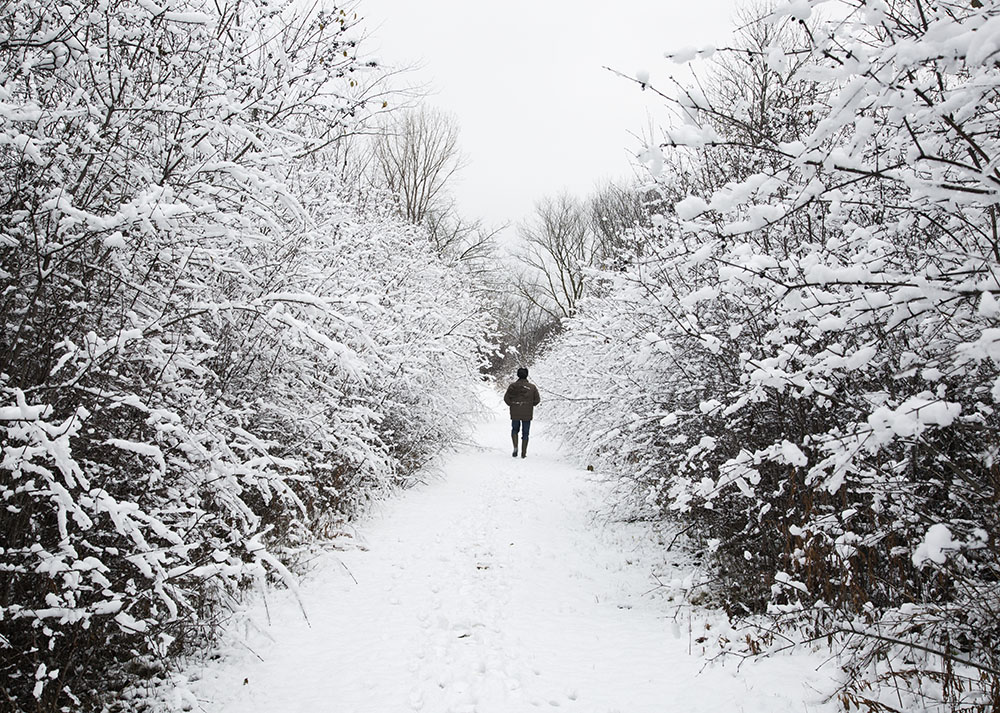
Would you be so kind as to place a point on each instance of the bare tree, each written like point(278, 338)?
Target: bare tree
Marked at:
point(559, 244)
point(568, 235)
point(415, 158)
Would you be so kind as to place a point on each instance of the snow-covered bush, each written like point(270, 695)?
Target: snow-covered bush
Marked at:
point(203, 360)
point(803, 367)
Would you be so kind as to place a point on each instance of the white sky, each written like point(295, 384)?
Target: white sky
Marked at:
point(525, 78)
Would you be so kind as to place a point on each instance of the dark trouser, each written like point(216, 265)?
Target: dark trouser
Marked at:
point(523, 426)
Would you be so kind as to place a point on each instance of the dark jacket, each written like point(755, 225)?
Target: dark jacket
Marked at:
point(522, 397)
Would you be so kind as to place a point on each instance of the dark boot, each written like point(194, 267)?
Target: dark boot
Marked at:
point(513, 439)
point(524, 448)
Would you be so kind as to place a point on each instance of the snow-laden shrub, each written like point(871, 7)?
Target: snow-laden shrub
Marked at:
point(202, 364)
point(803, 366)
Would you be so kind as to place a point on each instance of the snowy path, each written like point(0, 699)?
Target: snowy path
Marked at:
point(492, 590)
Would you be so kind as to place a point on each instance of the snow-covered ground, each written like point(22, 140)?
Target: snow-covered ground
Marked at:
point(494, 589)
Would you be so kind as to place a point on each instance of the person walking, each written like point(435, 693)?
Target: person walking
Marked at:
point(522, 397)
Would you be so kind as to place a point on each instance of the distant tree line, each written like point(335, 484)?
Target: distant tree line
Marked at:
point(549, 269)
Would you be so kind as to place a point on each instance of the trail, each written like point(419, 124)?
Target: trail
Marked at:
point(494, 589)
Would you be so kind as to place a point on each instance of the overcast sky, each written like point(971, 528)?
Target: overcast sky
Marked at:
point(525, 78)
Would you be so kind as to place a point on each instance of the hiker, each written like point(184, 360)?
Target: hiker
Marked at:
point(522, 397)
